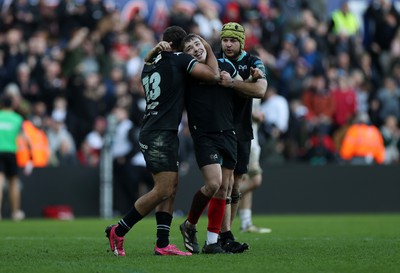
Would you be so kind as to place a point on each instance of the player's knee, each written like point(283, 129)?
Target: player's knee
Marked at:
point(165, 195)
point(254, 172)
point(255, 177)
point(212, 187)
point(257, 183)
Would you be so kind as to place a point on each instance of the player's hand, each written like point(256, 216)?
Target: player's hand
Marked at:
point(225, 79)
point(202, 40)
point(257, 116)
point(256, 73)
point(163, 46)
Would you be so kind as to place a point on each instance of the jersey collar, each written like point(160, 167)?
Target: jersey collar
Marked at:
point(240, 57)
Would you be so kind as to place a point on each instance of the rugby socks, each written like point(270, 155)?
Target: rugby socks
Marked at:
point(245, 218)
point(199, 204)
point(216, 212)
point(164, 221)
point(212, 238)
point(126, 223)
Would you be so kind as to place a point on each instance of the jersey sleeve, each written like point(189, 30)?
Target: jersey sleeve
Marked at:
point(257, 63)
point(186, 61)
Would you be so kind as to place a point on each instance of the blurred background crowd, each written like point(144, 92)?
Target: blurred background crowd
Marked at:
point(70, 64)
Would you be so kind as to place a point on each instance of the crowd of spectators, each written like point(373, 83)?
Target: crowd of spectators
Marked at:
point(69, 63)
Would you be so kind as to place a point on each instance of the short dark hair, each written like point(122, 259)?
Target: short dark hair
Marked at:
point(174, 34)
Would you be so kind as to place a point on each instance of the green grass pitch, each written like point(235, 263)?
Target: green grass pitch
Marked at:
point(350, 243)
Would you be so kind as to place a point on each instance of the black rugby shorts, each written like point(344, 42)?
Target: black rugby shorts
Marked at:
point(160, 150)
point(243, 157)
point(215, 148)
point(8, 164)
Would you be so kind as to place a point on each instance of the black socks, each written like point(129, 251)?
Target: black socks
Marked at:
point(126, 223)
point(164, 220)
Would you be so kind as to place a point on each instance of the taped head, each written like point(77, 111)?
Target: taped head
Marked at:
point(233, 30)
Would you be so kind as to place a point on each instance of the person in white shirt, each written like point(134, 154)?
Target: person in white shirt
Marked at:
point(275, 109)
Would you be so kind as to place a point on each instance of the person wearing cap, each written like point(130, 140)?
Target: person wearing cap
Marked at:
point(232, 48)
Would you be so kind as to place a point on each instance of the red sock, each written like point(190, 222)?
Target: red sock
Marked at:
point(199, 204)
point(216, 212)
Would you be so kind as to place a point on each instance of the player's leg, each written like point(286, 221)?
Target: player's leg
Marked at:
point(14, 187)
point(227, 238)
point(252, 181)
point(226, 222)
point(236, 196)
point(216, 211)
point(164, 219)
point(245, 210)
point(164, 188)
point(162, 162)
point(204, 146)
point(14, 191)
point(212, 181)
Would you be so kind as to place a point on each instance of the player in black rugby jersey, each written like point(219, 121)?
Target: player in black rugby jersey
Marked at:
point(232, 44)
point(164, 83)
point(210, 116)
point(211, 123)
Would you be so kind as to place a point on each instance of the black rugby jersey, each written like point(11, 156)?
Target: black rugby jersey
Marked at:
point(243, 105)
point(210, 106)
point(164, 84)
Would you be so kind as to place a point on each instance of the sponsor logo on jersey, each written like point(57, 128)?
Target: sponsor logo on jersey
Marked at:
point(242, 67)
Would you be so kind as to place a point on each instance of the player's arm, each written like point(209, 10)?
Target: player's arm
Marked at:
point(161, 46)
point(205, 73)
point(255, 74)
point(256, 85)
point(226, 79)
point(28, 168)
point(253, 87)
point(211, 60)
